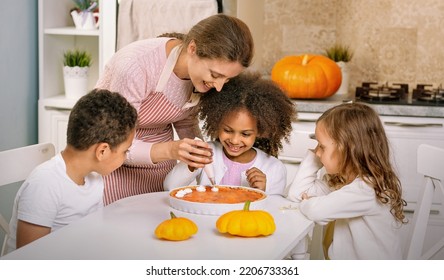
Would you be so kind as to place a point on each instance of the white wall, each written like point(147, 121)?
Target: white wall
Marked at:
point(252, 13)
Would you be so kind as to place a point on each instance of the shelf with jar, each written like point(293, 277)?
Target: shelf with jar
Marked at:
point(72, 30)
point(57, 34)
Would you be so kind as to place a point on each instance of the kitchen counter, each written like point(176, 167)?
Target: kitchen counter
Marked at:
point(321, 105)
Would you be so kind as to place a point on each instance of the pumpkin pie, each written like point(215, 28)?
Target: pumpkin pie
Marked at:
point(214, 200)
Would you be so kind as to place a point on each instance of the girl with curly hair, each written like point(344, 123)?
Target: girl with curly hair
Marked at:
point(360, 197)
point(247, 121)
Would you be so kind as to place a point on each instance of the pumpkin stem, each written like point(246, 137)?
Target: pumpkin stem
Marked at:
point(247, 205)
point(305, 60)
point(172, 215)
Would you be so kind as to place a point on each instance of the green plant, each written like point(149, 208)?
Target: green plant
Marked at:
point(86, 4)
point(76, 57)
point(339, 52)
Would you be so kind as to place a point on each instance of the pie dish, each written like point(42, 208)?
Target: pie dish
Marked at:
point(217, 200)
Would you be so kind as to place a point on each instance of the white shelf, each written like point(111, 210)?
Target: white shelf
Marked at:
point(57, 34)
point(58, 102)
point(71, 30)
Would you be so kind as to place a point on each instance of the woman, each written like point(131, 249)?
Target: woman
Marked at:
point(163, 79)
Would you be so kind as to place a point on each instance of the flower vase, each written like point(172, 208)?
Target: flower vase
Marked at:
point(85, 20)
point(343, 89)
point(76, 81)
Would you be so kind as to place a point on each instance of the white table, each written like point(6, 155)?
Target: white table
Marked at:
point(125, 230)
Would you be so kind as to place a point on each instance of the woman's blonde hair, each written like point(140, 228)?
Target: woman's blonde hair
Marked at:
point(364, 152)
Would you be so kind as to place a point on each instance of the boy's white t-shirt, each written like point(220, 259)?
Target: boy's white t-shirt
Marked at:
point(50, 198)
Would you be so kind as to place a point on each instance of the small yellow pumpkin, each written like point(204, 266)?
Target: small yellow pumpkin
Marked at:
point(307, 76)
point(246, 222)
point(176, 228)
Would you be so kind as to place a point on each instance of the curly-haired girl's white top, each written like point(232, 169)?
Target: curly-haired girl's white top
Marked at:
point(273, 168)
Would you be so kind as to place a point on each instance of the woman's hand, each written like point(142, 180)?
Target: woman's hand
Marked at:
point(195, 153)
point(256, 178)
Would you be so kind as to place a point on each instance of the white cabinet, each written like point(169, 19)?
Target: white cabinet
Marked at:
point(54, 127)
point(56, 35)
point(302, 139)
point(405, 134)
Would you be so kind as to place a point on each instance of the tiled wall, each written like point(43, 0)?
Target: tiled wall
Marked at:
point(393, 40)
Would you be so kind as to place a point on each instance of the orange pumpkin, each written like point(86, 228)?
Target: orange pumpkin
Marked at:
point(307, 76)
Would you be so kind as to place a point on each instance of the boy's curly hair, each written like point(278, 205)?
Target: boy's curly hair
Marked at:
point(268, 104)
point(100, 116)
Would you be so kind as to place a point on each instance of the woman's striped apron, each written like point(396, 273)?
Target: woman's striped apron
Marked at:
point(155, 117)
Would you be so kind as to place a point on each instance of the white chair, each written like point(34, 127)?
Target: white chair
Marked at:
point(431, 165)
point(16, 165)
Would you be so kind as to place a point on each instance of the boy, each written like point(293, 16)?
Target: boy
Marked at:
point(101, 128)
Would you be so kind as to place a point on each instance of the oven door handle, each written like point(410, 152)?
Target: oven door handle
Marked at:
point(402, 124)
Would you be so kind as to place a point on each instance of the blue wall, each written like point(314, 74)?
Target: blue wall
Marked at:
point(18, 82)
point(18, 73)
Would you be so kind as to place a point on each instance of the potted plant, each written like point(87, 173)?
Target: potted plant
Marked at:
point(83, 5)
point(341, 54)
point(83, 14)
point(76, 65)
